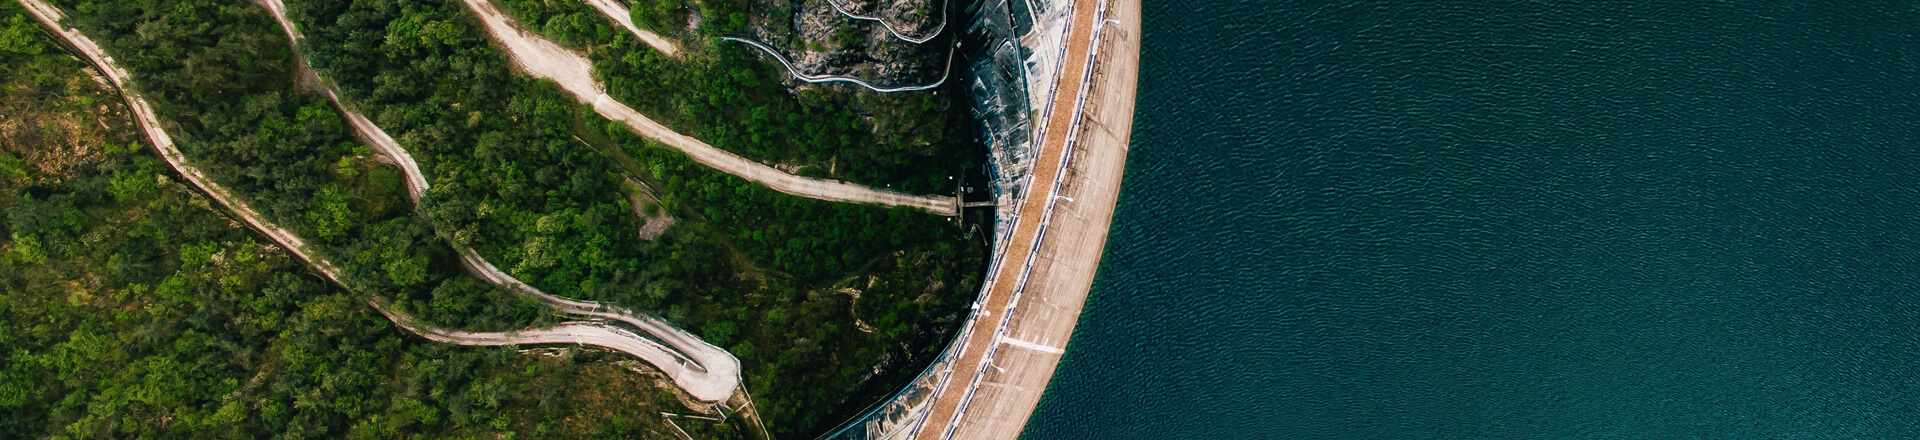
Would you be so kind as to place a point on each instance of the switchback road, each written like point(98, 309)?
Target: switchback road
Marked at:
point(705, 372)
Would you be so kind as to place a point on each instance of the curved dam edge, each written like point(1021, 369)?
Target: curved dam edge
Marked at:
point(1092, 121)
point(990, 378)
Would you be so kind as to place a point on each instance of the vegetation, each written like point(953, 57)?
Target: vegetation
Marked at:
point(517, 170)
point(766, 275)
point(133, 308)
point(732, 97)
point(807, 355)
point(221, 77)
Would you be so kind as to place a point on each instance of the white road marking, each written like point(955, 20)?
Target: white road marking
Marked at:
point(1031, 346)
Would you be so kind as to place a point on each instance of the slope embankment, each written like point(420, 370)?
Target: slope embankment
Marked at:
point(363, 128)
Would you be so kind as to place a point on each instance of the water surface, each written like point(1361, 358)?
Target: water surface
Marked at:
point(1511, 220)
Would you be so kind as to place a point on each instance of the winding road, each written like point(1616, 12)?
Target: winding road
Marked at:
point(543, 59)
point(600, 334)
point(362, 127)
point(149, 122)
point(705, 372)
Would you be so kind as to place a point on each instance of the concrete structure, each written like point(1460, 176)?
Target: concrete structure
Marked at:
point(1027, 346)
point(990, 379)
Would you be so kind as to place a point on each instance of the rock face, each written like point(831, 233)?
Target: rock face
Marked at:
point(997, 85)
point(914, 19)
point(820, 40)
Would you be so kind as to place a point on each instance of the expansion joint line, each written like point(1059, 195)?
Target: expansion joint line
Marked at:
point(890, 29)
point(816, 79)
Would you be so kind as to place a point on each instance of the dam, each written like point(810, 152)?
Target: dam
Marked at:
point(989, 378)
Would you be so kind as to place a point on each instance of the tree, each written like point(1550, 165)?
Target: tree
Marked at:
point(21, 35)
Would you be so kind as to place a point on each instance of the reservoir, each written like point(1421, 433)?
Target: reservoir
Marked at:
point(1511, 220)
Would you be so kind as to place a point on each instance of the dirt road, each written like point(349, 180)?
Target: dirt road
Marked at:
point(713, 370)
point(363, 128)
point(543, 59)
point(149, 122)
point(619, 13)
point(704, 371)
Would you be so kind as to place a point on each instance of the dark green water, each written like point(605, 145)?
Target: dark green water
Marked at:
point(1511, 220)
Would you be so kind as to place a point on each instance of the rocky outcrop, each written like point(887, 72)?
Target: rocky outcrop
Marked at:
point(818, 40)
point(912, 20)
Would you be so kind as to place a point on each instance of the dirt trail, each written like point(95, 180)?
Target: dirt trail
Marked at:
point(702, 370)
point(144, 115)
point(619, 13)
point(362, 127)
point(544, 59)
point(714, 370)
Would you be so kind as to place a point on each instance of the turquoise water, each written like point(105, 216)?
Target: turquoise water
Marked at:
point(1511, 220)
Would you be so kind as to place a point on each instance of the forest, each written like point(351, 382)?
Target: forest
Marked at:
point(810, 295)
point(730, 96)
point(223, 76)
point(133, 307)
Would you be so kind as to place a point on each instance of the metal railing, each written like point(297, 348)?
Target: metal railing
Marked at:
point(797, 74)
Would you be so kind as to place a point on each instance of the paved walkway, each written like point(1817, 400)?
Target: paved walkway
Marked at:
point(816, 79)
point(891, 29)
